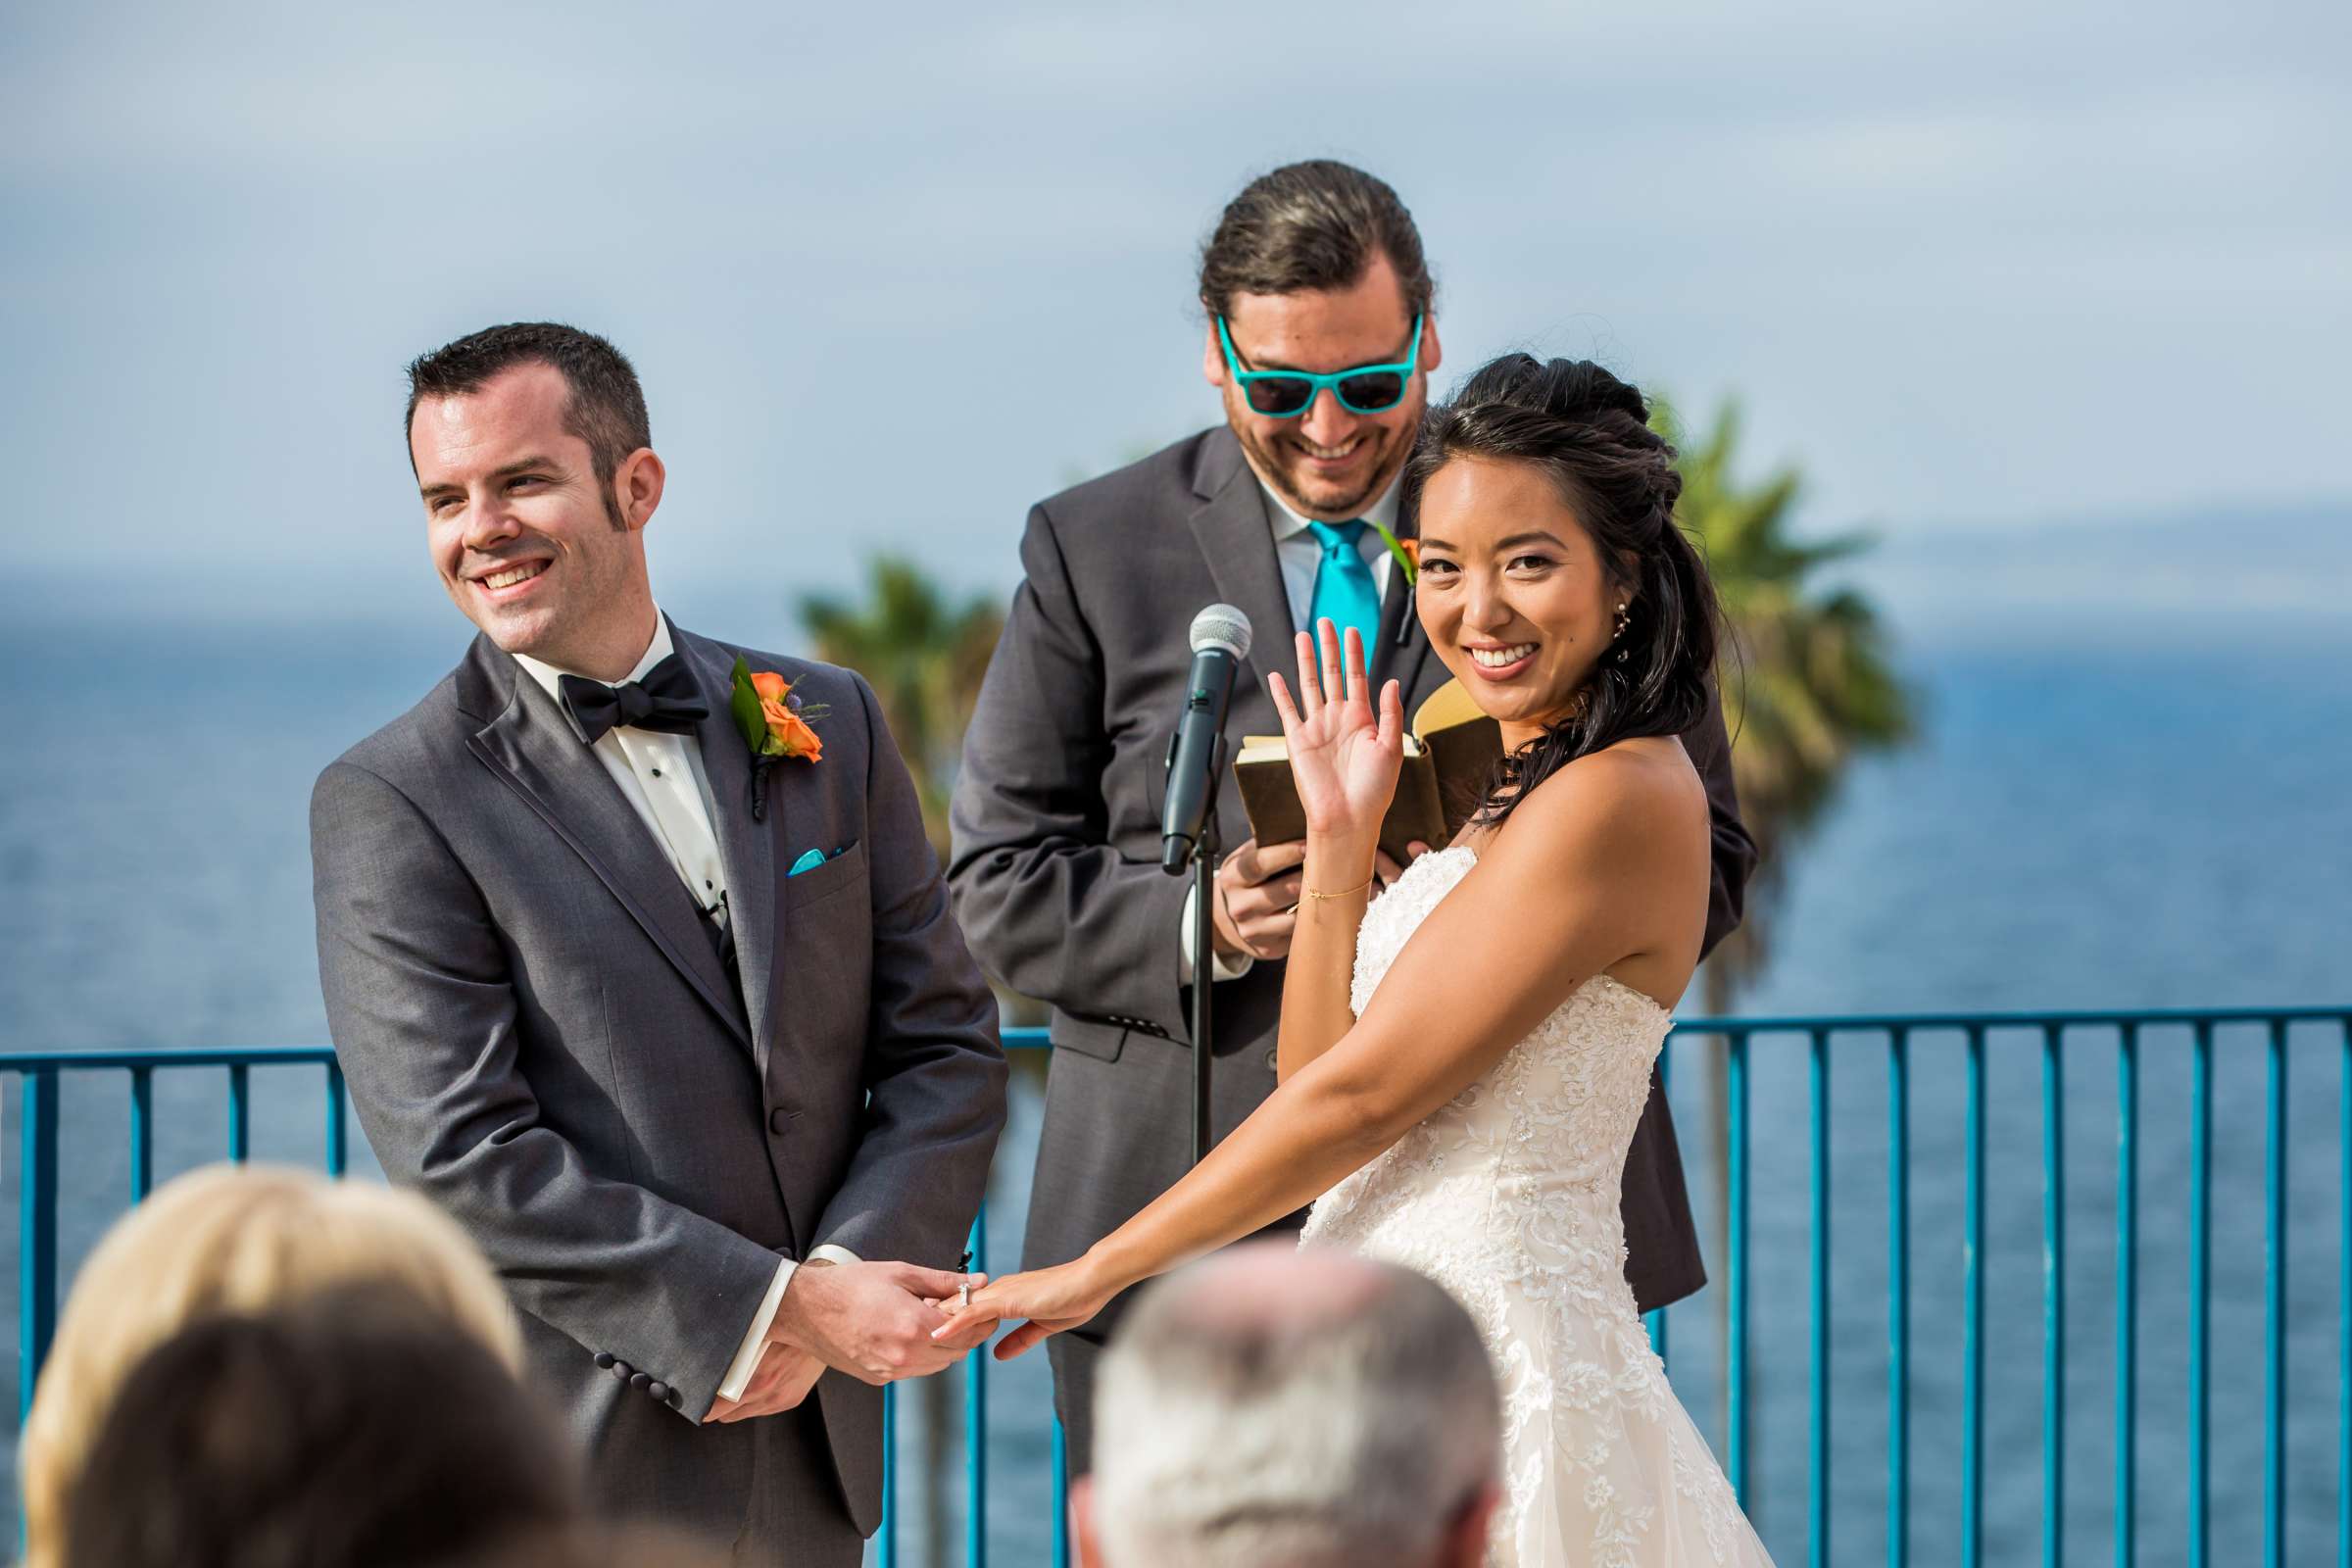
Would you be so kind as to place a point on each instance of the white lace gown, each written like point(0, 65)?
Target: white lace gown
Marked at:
point(1508, 1198)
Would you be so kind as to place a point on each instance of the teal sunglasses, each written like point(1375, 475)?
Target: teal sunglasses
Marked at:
point(1287, 394)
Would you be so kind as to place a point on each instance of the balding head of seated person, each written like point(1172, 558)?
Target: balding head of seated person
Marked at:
point(1273, 1407)
point(356, 1429)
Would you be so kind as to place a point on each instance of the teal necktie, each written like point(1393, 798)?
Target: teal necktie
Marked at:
point(1345, 593)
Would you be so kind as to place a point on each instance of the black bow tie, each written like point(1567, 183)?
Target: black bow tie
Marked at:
point(666, 700)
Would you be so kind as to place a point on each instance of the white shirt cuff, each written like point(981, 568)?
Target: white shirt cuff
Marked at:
point(1221, 966)
point(746, 1354)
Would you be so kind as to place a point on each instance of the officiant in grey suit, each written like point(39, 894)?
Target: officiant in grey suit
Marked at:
point(652, 984)
point(1316, 267)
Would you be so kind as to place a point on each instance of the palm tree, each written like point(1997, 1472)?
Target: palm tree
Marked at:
point(1806, 685)
point(924, 658)
point(1807, 682)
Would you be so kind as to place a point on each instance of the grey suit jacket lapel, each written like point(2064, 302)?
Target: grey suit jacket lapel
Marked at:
point(1238, 543)
point(746, 849)
point(1403, 645)
point(527, 744)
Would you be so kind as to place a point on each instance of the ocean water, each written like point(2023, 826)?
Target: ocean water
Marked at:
point(2131, 818)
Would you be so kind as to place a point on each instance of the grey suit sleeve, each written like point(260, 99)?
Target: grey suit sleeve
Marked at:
point(1735, 853)
point(934, 1070)
point(422, 1009)
point(1051, 907)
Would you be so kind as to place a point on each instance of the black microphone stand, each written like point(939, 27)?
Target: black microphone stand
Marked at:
point(1207, 851)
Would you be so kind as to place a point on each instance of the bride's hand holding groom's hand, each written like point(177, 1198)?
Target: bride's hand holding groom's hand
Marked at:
point(1046, 1301)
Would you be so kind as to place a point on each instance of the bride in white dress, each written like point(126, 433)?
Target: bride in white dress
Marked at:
point(1463, 1061)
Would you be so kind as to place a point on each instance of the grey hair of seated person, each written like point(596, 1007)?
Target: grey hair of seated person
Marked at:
point(358, 1429)
point(1307, 1408)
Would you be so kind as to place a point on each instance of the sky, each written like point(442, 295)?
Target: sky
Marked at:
point(889, 277)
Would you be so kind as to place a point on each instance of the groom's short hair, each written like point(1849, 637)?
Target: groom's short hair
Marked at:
point(607, 405)
point(1301, 1409)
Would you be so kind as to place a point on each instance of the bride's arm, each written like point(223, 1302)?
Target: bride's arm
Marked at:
point(1586, 865)
point(1335, 889)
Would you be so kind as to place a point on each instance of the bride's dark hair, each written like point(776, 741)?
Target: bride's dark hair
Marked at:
point(1590, 433)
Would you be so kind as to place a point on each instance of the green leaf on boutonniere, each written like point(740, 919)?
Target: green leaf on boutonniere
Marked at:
point(744, 702)
point(1405, 558)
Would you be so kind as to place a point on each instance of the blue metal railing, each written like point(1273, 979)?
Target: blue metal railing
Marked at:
point(38, 1076)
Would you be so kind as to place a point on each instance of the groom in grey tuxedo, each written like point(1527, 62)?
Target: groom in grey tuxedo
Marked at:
point(687, 1041)
point(1314, 268)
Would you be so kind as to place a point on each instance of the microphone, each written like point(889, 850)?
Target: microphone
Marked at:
point(1220, 642)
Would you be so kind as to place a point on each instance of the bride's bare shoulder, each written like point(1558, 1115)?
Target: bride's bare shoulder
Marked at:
point(1645, 785)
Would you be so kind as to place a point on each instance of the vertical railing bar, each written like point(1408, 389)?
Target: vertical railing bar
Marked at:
point(1817, 1501)
point(36, 1232)
point(240, 1111)
point(1736, 1350)
point(1972, 1330)
point(339, 1138)
point(2274, 1307)
point(2127, 1292)
point(885, 1538)
point(2343, 1297)
point(1898, 1295)
point(975, 1421)
point(1061, 1496)
point(2200, 1289)
point(142, 1132)
point(2053, 1302)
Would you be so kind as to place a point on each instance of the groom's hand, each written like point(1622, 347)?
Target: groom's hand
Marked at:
point(869, 1320)
point(784, 1377)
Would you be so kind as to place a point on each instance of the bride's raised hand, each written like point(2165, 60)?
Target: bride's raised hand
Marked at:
point(1343, 756)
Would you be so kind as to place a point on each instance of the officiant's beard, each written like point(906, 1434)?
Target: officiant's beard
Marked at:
point(1391, 445)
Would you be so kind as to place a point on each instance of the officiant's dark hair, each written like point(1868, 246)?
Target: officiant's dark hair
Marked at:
point(607, 406)
point(1590, 433)
point(1311, 227)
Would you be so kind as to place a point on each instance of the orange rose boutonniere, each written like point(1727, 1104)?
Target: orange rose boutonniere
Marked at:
point(774, 723)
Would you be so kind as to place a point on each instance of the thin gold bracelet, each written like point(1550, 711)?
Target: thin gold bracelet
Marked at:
point(1344, 893)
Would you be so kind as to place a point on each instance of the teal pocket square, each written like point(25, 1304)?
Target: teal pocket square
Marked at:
point(806, 862)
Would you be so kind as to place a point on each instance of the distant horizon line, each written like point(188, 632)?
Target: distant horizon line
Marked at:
point(2222, 572)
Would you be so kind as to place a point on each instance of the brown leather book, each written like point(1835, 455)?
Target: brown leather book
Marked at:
point(1450, 750)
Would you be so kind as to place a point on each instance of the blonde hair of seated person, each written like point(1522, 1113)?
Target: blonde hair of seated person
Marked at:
point(235, 1239)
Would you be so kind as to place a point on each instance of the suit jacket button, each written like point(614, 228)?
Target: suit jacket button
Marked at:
point(603, 1359)
point(658, 1389)
point(779, 1118)
point(675, 1398)
point(1270, 1059)
point(638, 1380)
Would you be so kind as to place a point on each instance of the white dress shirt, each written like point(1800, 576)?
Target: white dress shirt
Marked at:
point(660, 776)
point(1300, 555)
